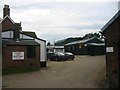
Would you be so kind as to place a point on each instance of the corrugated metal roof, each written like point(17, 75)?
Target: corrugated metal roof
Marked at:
point(96, 44)
point(82, 41)
point(32, 34)
point(21, 42)
point(111, 21)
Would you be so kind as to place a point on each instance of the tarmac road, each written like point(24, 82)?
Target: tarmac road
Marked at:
point(83, 72)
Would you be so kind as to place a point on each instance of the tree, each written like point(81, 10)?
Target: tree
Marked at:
point(87, 36)
point(97, 35)
point(48, 44)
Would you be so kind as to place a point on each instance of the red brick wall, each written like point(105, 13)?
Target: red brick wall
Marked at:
point(7, 24)
point(7, 57)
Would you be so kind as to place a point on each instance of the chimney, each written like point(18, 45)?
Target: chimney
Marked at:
point(17, 30)
point(6, 10)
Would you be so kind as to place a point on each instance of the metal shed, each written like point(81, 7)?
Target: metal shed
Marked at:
point(80, 47)
point(96, 49)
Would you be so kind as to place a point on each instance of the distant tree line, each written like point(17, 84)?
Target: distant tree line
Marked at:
point(72, 39)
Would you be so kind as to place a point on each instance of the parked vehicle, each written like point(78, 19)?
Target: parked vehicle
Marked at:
point(69, 56)
point(49, 55)
point(58, 56)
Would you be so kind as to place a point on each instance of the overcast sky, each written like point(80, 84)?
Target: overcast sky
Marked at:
point(61, 19)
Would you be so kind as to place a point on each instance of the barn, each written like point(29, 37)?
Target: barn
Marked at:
point(96, 49)
point(111, 32)
point(83, 47)
point(20, 48)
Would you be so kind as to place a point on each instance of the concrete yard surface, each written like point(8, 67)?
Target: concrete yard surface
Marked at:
point(82, 72)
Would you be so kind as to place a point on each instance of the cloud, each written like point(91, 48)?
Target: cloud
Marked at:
point(62, 19)
point(23, 2)
point(62, 33)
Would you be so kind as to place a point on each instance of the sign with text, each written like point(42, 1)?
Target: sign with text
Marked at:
point(17, 55)
point(109, 49)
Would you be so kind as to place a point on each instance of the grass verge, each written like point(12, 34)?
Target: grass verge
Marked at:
point(6, 71)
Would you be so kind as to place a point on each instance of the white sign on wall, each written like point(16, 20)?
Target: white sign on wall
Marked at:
point(109, 49)
point(17, 55)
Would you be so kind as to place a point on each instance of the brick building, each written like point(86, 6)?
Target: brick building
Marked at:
point(20, 48)
point(112, 40)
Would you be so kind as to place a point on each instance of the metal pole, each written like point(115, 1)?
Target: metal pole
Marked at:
point(118, 5)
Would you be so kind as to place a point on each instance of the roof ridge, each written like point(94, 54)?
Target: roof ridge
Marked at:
point(111, 21)
point(9, 18)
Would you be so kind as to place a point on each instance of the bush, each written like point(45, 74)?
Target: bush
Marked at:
point(6, 71)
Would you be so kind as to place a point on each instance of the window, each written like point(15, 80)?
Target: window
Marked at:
point(7, 34)
point(31, 51)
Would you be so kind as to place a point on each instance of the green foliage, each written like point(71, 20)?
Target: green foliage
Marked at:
point(72, 39)
point(68, 40)
point(90, 35)
point(6, 71)
point(48, 43)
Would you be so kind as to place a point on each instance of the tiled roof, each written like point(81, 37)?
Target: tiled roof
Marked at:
point(8, 18)
point(21, 42)
point(32, 34)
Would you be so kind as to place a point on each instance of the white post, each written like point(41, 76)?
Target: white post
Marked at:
point(118, 5)
point(42, 50)
point(54, 46)
point(0, 55)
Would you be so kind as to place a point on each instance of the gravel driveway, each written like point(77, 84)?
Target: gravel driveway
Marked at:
point(83, 72)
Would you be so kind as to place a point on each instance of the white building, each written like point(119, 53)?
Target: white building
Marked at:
point(53, 48)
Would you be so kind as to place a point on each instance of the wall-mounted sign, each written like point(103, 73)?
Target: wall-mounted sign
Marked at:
point(109, 49)
point(17, 55)
point(81, 45)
